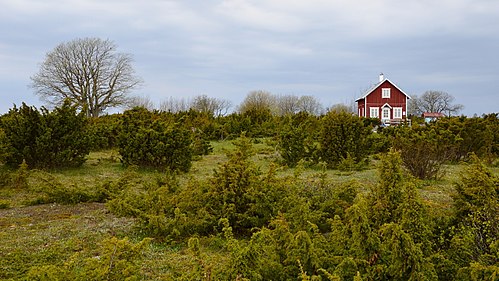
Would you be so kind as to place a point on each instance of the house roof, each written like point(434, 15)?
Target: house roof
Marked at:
point(433, 114)
point(379, 84)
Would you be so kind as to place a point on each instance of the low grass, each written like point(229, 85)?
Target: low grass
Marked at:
point(51, 233)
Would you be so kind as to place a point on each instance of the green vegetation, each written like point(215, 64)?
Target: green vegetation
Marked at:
point(151, 140)
point(44, 139)
point(141, 207)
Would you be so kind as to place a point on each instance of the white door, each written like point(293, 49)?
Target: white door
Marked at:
point(385, 115)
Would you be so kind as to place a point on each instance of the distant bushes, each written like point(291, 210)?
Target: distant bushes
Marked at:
point(425, 148)
point(42, 138)
point(339, 139)
point(166, 140)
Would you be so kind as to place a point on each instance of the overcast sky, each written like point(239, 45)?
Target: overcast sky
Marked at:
point(331, 49)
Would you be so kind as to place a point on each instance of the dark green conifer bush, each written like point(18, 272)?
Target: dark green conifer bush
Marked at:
point(389, 228)
point(424, 149)
point(297, 139)
point(104, 131)
point(163, 208)
point(146, 139)
point(44, 139)
point(240, 193)
point(475, 135)
point(343, 134)
point(474, 245)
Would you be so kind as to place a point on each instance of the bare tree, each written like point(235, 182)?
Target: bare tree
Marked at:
point(340, 107)
point(280, 105)
point(137, 101)
point(213, 106)
point(223, 107)
point(311, 105)
point(258, 100)
point(434, 101)
point(89, 72)
point(287, 104)
point(174, 104)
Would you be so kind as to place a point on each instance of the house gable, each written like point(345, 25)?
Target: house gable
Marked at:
point(394, 97)
point(386, 83)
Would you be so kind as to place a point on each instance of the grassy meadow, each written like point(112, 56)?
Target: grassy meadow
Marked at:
point(34, 233)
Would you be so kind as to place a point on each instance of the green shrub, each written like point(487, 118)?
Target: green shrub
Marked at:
point(476, 234)
point(50, 190)
point(147, 140)
point(53, 191)
point(297, 139)
point(117, 259)
point(4, 204)
point(163, 208)
point(237, 191)
point(19, 179)
point(5, 177)
point(348, 164)
point(343, 134)
point(242, 194)
point(200, 144)
point(424, 149)
point(476, 135)
point(44, 139)
point(103, 131)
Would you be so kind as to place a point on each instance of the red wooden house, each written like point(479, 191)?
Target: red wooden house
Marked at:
point(385, 101)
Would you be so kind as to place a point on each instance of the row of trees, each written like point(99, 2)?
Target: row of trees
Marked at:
point(93, 76)
point(261, 101)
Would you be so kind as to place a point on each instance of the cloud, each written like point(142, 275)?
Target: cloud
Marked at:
point(261, 16)
point(331, 48)
point(360, 18)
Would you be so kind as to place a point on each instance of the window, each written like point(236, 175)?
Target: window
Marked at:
point(385, 93)
point(397, 112)
point(374, 112)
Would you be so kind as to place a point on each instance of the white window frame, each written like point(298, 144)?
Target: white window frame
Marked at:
point(383, 111)
point(385, 93)
point(374, 110)
point(397, 113)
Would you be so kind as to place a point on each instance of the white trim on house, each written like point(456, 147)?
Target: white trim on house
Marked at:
point(377, 85)
point(406, 106)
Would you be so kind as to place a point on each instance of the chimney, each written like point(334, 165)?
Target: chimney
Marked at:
point(381, 77)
